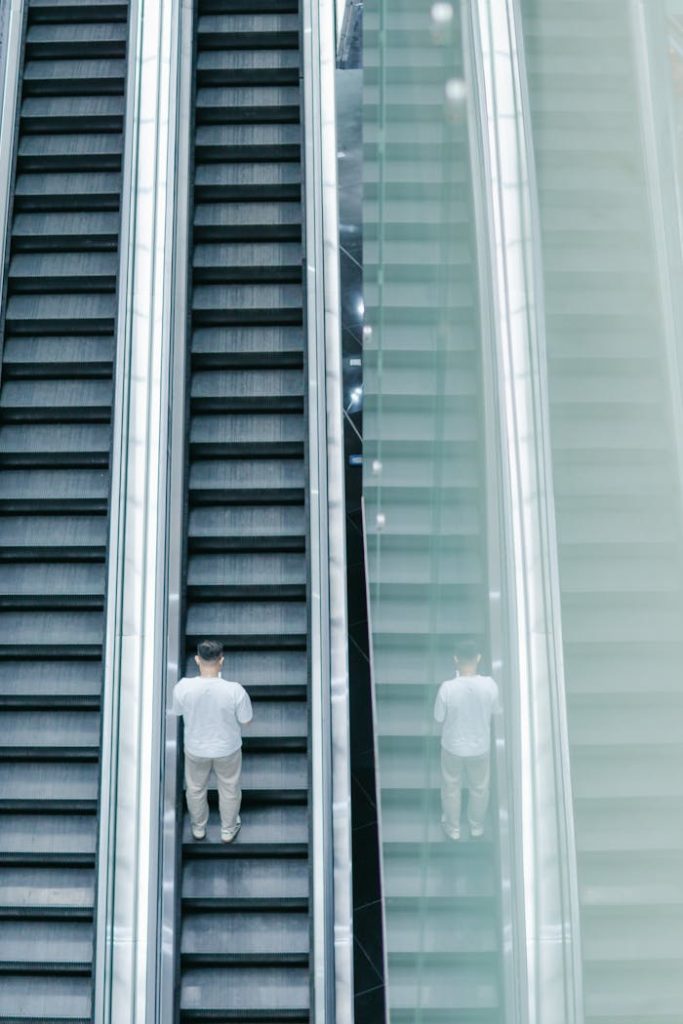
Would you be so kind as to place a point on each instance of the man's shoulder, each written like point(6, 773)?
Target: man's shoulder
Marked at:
point(448, 685)
point(231, 687)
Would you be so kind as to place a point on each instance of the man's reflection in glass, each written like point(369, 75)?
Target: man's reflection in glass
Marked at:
point(464, 706)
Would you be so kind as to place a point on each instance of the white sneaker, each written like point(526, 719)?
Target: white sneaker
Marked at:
point(199, 831)
point(228, 834)
point(476, 831)
point(452, 833)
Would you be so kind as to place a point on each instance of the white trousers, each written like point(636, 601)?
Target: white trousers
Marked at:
point(228, 770)
point(475, 772)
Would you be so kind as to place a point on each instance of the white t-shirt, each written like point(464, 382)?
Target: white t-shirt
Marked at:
point(464, 705)
point(213, 709)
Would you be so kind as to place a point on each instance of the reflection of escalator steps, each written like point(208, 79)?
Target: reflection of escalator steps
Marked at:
point(55, 436)
point(614, 471)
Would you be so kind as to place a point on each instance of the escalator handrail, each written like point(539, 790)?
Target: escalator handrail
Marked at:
point(166, 966)
point(543, 973)
point(332, 952)
point(11, 26)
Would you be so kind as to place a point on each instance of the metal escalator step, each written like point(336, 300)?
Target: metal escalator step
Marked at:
point(63, 272)
point(264, 181)
point(58, 314)
point(59, 1000)
point(58, 356)
point(62, 942)
point(236, 993)
point(239, 31)
point(245, 935)
point(260, 623)
point(52, 585)
point(66, 152)
point(49, 680)
point(247, 575)
point(58, 444)
point(249, 877)
point(36, 729)
point(85, 190)
point(48, 490)
point(42, 836)
point(56, 400)
point(218, 435)
point(219, 142)
point(49, 631)
point(261, 104)
point(243, 528)
point(63, 77)
point(72, 114)
point(41, 231)
point(248, 67)
point(274, 481)
point(247, 303)
point(270, 390)
point(266, 825)
point(35, 887)
point(73, 38)
point(49, 786)
point(85, 10)
point(247, 262)
point(271, 346)
point(248, 222)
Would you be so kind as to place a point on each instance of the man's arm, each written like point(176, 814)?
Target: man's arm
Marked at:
point(440, 706)
point(177, 707)
point(244, 711)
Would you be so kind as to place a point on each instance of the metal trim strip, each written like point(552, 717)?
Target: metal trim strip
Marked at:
point(330, 759)
point(510, 230)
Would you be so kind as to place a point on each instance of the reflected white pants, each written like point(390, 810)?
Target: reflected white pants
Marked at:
point(228, 770)
point(475, 773)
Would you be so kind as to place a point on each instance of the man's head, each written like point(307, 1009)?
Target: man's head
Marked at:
point(209, 656)
point(467, 656)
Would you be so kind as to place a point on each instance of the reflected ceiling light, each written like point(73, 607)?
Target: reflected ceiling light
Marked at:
point(456, 98)
point(442, 15)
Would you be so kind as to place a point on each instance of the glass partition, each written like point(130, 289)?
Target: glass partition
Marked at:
point(425, 487)
point(602, 80)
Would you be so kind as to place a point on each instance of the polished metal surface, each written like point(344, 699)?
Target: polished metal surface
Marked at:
point(12, 21)
point(134, 658)
point(508, 224)
point(168, 880)
point(330, 797)
point(664, 195)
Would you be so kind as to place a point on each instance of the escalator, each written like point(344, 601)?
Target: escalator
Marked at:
point(244, 908)
point(620, 552)
point(424, 479)
point(58, 323)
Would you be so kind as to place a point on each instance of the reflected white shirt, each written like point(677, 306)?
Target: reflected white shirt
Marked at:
point(214, 709)
point(464, 705)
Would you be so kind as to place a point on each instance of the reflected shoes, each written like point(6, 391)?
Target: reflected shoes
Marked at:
point(476, 831)
point(452, 833)
point(199, 831)
point(228, 834)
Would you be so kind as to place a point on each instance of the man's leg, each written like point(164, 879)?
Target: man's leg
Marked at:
point(228, 770)
point(197, 771)
point(451, 787)
point(478, 778)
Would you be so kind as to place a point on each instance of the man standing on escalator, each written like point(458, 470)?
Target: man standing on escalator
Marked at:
point(464, 708)
point(213, 710)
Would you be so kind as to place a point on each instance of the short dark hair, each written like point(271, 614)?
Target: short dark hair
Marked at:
point(467, 650)
point(209, 650)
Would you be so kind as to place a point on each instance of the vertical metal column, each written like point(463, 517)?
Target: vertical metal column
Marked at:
point(516, 363)
point(134, 659)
